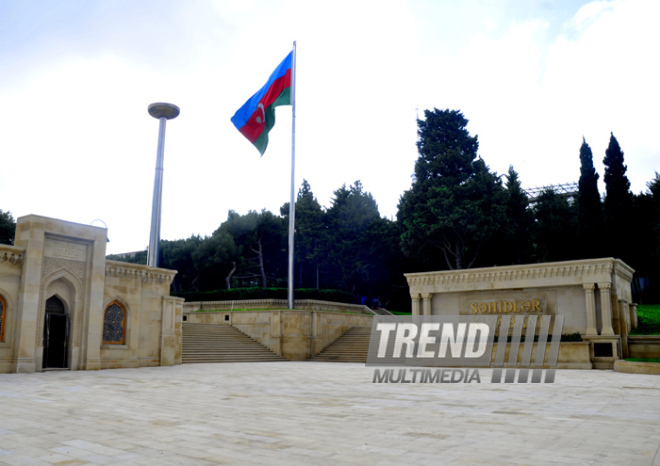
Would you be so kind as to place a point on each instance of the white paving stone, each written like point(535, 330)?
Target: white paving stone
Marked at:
point(323, 413)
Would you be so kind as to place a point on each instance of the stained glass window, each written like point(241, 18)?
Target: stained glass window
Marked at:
point(114, 322)
point(3, 306)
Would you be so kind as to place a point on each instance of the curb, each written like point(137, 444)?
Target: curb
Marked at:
point(629, 367)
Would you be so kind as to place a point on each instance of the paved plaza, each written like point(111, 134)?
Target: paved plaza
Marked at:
point(322, 413)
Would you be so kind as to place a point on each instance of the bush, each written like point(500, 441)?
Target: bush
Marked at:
point(236, 294)
point(571, 337)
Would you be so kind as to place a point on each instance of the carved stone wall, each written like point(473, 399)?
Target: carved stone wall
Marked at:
point(593, 295)
point(58, 258)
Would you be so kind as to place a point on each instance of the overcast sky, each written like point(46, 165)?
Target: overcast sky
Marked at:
point(532, 77)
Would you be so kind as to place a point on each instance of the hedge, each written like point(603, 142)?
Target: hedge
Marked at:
point(236, 294)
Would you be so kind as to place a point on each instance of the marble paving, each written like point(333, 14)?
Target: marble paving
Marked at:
point(298, 413)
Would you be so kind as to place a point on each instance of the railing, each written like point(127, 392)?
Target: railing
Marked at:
point(11, 254)
point(565, 189)
point(302, 304)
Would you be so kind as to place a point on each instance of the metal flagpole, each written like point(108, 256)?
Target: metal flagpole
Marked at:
point(292, 210)
point(162, 112)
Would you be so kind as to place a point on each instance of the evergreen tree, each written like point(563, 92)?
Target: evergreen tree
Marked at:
point(214, 262)
point(178, 255)
point(519, 221)
point(654, 193)
point(556, 226)
point(590, 209)
point(7, 228)
point(455, 204)
point(618, 202)
point(351, 254)
point(261, 241)
point(645, 249)
point(310, 237)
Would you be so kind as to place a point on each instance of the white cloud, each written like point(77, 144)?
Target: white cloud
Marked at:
point(80, 145)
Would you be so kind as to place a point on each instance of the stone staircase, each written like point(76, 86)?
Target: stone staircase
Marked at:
point(209, 343)
point(352, 346)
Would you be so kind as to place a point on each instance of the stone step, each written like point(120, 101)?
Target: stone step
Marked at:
point(211, 343)
point(352, 346)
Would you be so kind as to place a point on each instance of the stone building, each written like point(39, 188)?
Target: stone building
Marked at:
point(64, 306)
point(593, 295)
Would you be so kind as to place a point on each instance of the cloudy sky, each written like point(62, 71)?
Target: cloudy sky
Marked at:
point(532, 76)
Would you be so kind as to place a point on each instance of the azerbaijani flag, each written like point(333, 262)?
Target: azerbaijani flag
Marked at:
point(257, 116)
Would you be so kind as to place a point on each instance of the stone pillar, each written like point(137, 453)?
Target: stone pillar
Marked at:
point(29, 235)
point(170, 332)
point(591, 308)
point(415, 304)
point(633, 315)
point(276, 340)
point(624, 317)
point(606, 308)
point(94, 309)
point(427, 303)
point(624, 324)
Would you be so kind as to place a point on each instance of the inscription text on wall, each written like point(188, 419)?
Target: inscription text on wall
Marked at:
point(59, 249)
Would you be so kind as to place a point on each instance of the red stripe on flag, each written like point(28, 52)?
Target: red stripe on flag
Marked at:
point(255, 124)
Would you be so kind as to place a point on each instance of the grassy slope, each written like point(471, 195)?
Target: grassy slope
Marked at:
point(649, 320)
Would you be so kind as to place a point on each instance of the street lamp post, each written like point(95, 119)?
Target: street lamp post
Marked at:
point(162, 112)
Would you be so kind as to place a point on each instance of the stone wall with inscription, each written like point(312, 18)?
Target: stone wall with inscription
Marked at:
point(65, 262)
point(593, 295)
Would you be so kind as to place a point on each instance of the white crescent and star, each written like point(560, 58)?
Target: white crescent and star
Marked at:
point(261, 120)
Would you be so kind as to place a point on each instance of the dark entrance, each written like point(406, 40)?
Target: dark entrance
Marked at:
point(56, 335)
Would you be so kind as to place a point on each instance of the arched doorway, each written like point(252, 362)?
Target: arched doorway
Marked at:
point(56, 335)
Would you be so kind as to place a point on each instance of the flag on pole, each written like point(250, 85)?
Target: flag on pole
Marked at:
point(257, 116)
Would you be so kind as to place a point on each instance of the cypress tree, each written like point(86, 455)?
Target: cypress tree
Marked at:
point(590, 208)
point(618, 202)
point(519, 221)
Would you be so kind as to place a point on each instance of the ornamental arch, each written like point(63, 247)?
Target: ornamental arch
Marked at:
point(56, 337)
point(57, 325)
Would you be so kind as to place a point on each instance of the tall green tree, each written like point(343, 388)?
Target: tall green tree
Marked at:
point(455, 204)
point(654, 192)
point(519, 222)
point(214, 262)
point(7, 228)
point(590, 208)
point(178, 255)
point(618, 202)
point(310, 237)
point(556, 227)
point(261, 239)
point(387, 266)
point(645, 249)
point(350, 255)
